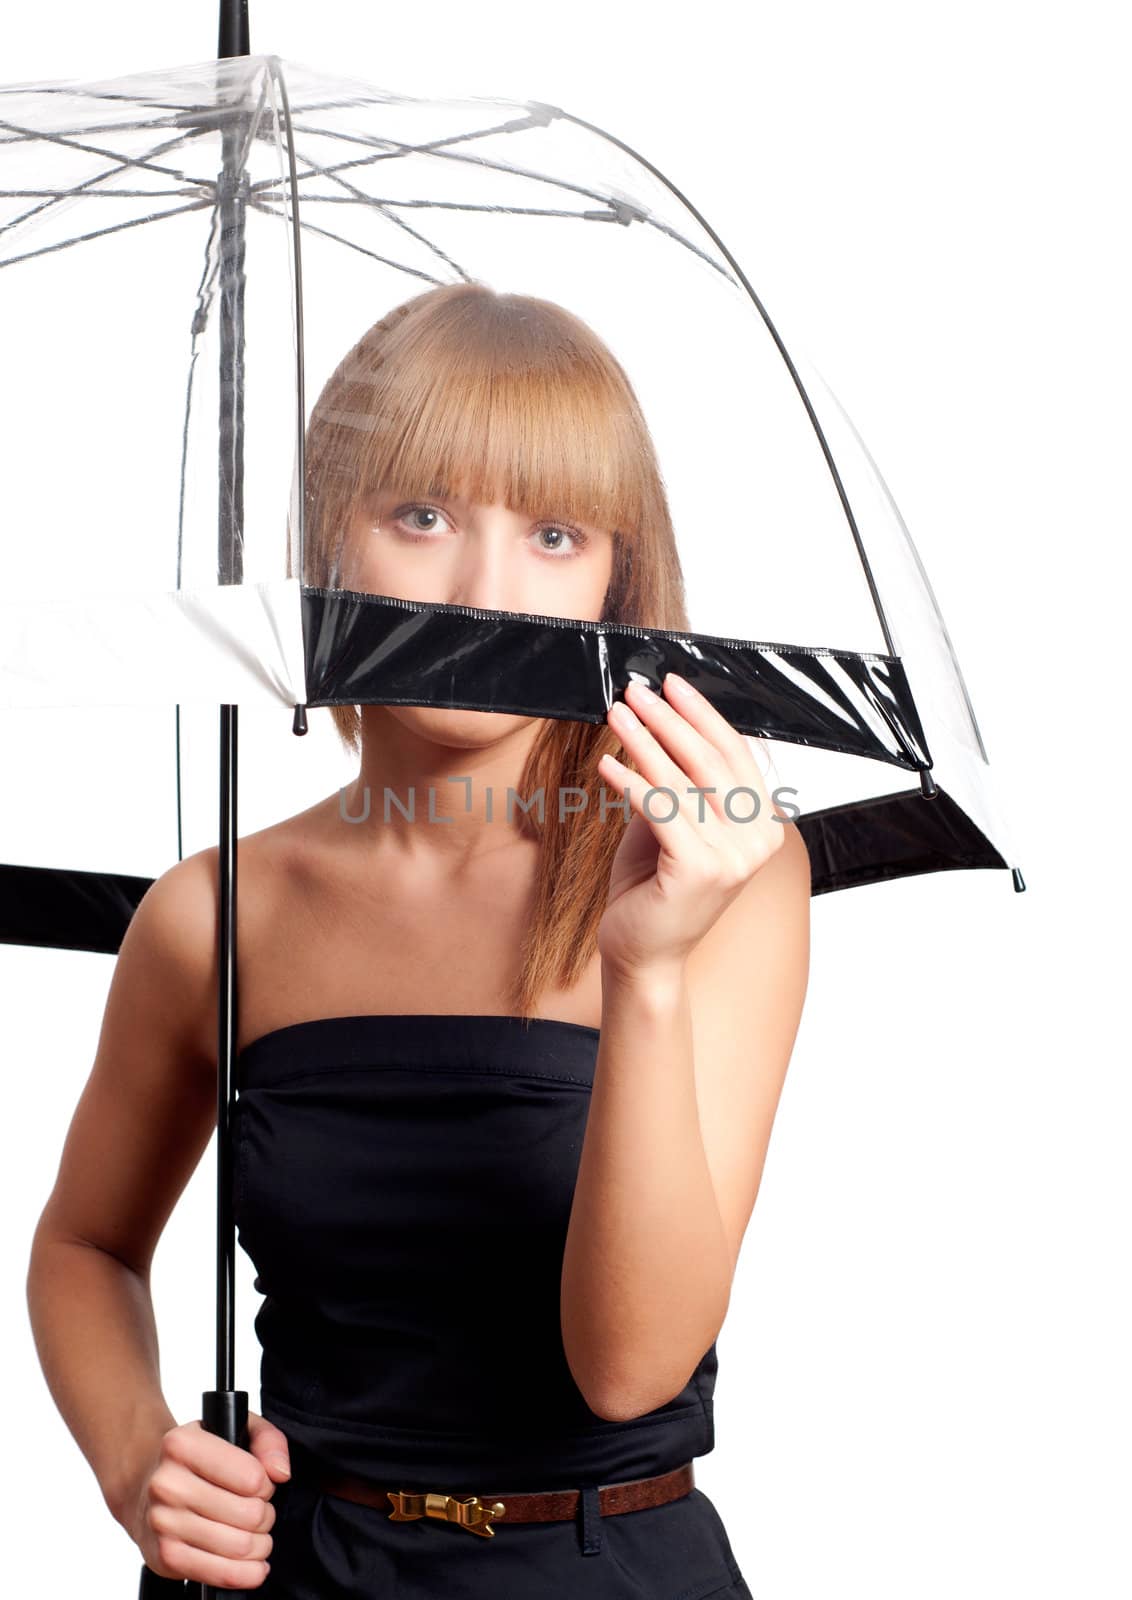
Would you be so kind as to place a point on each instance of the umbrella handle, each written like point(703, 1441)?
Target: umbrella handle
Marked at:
point(153, 1587)
point(223, 1412)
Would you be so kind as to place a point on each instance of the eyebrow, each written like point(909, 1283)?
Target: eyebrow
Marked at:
point(433, 492)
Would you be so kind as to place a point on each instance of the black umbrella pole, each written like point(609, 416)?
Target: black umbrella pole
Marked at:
point(224, 1410)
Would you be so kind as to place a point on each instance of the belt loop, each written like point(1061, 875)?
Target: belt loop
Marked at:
point(589, 1505)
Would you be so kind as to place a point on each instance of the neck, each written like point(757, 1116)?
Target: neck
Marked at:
point(432, 801)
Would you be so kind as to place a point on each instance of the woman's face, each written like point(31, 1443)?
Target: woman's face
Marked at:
point(456, 552)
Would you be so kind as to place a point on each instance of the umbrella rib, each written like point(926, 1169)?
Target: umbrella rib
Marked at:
point(440, 205)
point(612, 213)
point(142, 163)
point(512, 211)
point(397, 221)
point(200, 318)
point(436, 149)
point(396, 148)
point(122, 163)
point(92, 92)
point(254, 122)
point(100, 194)
point(81, 238)
point(31, 135)
point(515, 125)
point(313, 227)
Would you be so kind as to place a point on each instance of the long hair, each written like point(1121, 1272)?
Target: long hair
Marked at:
point(503, 398)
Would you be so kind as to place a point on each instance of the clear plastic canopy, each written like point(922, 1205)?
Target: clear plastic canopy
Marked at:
point(276, 343)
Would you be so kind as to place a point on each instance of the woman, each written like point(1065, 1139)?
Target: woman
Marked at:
point(507, 1077)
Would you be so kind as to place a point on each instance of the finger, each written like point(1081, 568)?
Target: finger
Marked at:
point(684, 709)
point(219, 1572)
point(712, 723)
point(204, 1534)
point(661, 772)
point(700, 760)
point(220, 1462)
point(179, 1488)
point(740, 791)
point(269, 1445)
point(679, 836)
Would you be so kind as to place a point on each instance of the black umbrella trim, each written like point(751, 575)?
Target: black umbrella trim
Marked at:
point(364, 649)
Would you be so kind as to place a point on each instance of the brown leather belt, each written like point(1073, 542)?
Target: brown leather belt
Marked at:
point(477, 1513)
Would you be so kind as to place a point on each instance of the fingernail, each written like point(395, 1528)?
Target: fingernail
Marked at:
point(643, 688)
point(681, 685)
point(281, 1464)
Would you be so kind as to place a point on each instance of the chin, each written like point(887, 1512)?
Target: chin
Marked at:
point(466, 730)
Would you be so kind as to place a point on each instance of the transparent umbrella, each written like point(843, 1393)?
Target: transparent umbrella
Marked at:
point(258, 234)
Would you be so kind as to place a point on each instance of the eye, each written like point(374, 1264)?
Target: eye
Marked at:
point(568, 542)
point(557, 541)
point(417, 530)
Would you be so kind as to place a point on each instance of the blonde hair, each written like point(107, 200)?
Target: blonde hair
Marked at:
point(506, 398)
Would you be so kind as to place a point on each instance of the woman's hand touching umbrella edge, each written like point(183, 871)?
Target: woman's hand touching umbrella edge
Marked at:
point(686, 854)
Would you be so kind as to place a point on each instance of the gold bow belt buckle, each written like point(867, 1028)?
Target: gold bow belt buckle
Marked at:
point(467, 1513)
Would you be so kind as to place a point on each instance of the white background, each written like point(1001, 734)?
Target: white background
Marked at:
point(923, 1385)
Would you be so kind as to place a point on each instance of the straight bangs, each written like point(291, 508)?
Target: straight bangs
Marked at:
point(543, 438)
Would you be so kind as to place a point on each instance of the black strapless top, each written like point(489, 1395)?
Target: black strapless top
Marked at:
point(403, 1187)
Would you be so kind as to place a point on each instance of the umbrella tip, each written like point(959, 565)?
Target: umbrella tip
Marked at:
point(299, 725)
point(927, 784)
point(1019, 880)
point(234, 38)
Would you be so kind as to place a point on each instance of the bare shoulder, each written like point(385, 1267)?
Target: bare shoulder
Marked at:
point(786, 877)
point(789, 867)
point(166, 966)
point(171, 946)
point(180, 908)
point(177, 904)
point(780, 889)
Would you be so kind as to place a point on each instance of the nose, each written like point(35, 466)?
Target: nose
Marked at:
point(485, 571)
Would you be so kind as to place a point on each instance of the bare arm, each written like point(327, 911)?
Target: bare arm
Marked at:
point(197, 1506)
point(141, 1125)
point(690, 1070)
